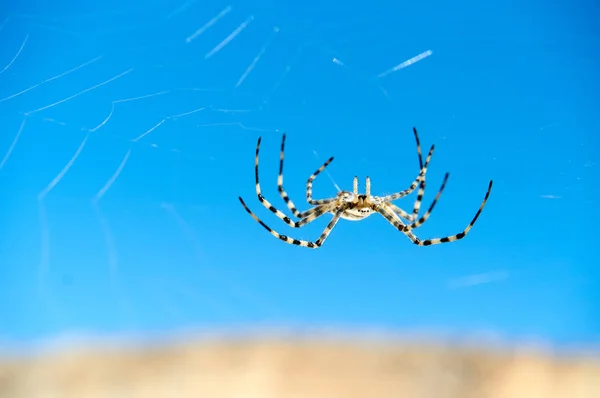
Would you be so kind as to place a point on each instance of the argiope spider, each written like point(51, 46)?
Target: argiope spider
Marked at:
point(354, 206)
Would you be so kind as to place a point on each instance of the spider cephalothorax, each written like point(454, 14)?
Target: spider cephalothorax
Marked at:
point(354, 206)
point(357, 207)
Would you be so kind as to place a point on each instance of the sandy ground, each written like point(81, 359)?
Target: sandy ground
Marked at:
point(299, 367)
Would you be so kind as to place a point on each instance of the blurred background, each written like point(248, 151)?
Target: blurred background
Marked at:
point(128, 131)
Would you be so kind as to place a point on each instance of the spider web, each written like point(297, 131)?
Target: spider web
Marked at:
point(87, 104)
point(129, 131)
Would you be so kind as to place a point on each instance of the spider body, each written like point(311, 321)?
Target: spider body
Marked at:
point(355, 207)
point(358, 208)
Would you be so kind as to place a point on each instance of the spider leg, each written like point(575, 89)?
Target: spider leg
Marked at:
point(412, 217)
point(421, 192)
point(402, 213)
point(418, 147)
point(310, 216)
point(309, 183)
point(284, 194)
point(298, 242)
point(393, 218)
point(418, 223)
point(467, 229)
point(417, 206)
point(420, 178)
point(261, 198)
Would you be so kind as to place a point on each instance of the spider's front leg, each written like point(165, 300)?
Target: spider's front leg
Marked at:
point(268, 204)
point(419, 181)
point(417, 205)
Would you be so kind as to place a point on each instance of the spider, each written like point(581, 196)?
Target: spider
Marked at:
point(354, 206)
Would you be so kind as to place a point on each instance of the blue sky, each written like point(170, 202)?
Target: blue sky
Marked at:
point(506, 91)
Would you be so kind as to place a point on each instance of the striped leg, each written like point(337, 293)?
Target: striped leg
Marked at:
point(309, 183)
point(462, 234)
point(402, 213)
point(417, 224)
point(298, 242)
point(284, 194)
point(268, 204)
point(311, 214)
point(421, 191)
point(417, 206)
point(393, 218)
point(261, 198)
point(420, 178)
point(412, 217)
point(406, 229)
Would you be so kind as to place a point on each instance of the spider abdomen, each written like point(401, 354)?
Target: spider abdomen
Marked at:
point(356, 214)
